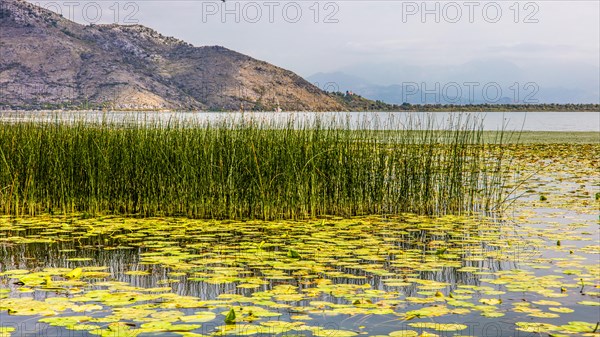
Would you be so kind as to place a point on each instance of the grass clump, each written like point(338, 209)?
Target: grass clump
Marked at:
point(255, 169)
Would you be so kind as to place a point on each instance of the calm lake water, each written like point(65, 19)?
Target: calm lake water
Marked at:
point(491, 121)
point(486, 286)
point(362, 283)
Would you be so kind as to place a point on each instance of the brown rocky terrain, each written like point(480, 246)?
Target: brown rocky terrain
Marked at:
point(47, 61)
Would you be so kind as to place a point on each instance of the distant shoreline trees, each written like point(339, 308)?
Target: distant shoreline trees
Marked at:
point(358, 103)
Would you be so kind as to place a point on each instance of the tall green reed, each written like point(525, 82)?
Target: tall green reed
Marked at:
point(252, 169)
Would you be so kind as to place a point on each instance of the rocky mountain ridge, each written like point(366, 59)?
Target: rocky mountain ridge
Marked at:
point(47, 61)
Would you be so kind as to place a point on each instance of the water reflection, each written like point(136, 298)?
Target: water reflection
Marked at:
point(399, 265)
point(491, 121)
point(119, 256)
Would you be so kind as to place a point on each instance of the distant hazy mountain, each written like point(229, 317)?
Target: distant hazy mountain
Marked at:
point(47, 60)
point(477, 82)
point(339, 81)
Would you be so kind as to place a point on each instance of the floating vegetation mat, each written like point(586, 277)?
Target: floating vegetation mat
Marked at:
point(534, 273)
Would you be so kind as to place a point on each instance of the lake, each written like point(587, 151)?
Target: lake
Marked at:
point(491, 121)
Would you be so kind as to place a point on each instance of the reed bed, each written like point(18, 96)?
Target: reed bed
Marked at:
point(245, 170)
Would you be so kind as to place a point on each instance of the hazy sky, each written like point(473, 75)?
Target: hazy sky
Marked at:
point(379, 39)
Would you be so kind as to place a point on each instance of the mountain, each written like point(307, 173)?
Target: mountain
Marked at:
point(339, 81)
point(408, 92)
point(49, 61)
point(547, 82)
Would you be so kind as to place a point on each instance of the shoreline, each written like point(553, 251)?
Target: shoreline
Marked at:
point(564, 108)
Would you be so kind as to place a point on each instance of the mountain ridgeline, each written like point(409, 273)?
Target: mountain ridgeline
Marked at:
point(47, 61)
